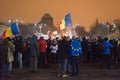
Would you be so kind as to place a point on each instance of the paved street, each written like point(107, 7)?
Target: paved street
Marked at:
point(87, 72)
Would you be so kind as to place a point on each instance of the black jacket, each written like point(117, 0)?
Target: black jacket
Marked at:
point(63, 49)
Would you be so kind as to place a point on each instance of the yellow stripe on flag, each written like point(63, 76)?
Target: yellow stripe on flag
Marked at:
point(9, 32)
point(62, 25)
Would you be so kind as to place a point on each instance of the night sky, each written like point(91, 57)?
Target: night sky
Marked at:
point(83, 12)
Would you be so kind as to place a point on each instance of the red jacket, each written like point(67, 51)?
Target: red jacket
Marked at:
point(42, 45)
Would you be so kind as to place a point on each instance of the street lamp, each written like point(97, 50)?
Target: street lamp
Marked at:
point(41, 25)
point(9, 22)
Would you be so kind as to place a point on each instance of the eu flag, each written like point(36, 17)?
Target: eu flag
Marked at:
point(68, 21)
point(15, 29)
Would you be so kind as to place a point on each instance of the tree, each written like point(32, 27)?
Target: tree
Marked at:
point(25, 29)
point(80, 30)
point(117, 22)
point(101, 29)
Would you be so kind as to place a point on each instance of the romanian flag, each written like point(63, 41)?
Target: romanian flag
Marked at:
point(10, 31)
point(7, 33)
point(65, 22)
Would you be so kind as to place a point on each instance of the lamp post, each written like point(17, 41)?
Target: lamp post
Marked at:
point(9, 22)
point(40, 26)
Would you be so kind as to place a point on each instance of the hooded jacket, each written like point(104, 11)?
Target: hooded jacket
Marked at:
point(107, 47)
point(34, 50)
point(42, 45)
point(4, 51)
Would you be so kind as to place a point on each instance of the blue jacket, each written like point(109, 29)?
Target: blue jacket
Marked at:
point(75, 48)
point(107, 47)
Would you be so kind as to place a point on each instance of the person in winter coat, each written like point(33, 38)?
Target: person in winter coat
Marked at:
point(12, 51)
point(34, 53)
point(106, 59)
point(19, 50)
point(118, 50)
point(75, 51)
point(42, 48)
point(0, 49)
point(48, 51)
point(28, 50)
point(63, 54)
point(4, 59)
point(54, 49)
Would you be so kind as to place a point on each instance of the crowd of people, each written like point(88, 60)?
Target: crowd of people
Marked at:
point(66, 52)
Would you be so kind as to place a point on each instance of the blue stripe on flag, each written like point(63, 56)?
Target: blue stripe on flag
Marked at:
point(68, 21)
point(15, 29)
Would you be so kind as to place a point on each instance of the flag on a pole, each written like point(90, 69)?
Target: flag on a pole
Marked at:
point(7, 33)
point(65, 22)
point(15, 29)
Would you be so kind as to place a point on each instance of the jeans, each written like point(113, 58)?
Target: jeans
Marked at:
point(62, 66)
point(106, 61)
point(75, 65)
point(10, 67)
point(20, 60)
point(33, 63)
point(5, 73)
point(42, 60)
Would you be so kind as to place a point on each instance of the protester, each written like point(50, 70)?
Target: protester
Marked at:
point(0, 49)
point(118, 51)
point(106, 55)
point(28, 50)
point(34, 53)
point(84, 44)
point(53, 54)
point(19, 50)
point(48, 51)
point(63, 54)
point(4, 58)
point(75, 51)
point(42, 48)
point(12, 51)
point(68, 65)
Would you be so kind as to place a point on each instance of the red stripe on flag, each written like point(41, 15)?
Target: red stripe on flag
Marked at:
point(4, 34)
